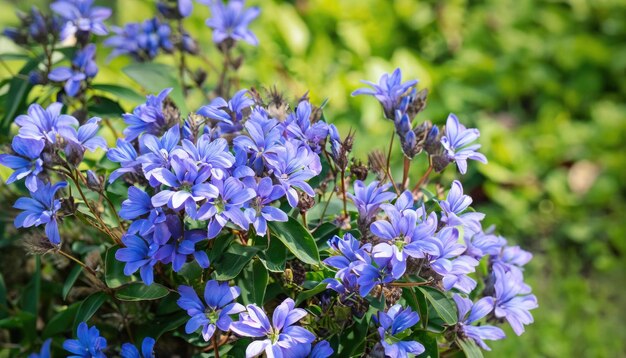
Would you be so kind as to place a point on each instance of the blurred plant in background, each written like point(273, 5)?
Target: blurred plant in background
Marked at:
point(542, 80)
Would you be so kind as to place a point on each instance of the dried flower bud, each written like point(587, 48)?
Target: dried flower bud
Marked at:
point(358, 169)
point(378, 163)
point(392, 295)
point(170, 113)
point(305, 203)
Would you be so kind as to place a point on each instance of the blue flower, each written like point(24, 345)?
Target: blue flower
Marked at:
point(321, 350)
point(298, 126)
point(260, 210)
point(368, 199)
point(147, 349)
point(186, 185)
point(126, 155)
point(447, 247)
point(138, 254)
point(81, 17)
point(294, 164)
point(374, 271)
point(27, 163)
point(231, 21)
point(484, 243)
point(477, 311)
point(513, 300)
point(352, 255)
point(454, 210)
point(511, 258)
point(219, 299)
point(88, 345)
point(41, 208)
point(85, 138)
point(263, 138)
point(142, 41)
point(44, 124)
point(456, 142)
point(280, 337)
point(227, 206)
point(392, 325)
point(183, 245)
point(83, 68)
point(157, 152)
point(45, 350)
point(211, 154)
point(457, 277)
point(147, 117)
point(229, 115)
point(388, 91)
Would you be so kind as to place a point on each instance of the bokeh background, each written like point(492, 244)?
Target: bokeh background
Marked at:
point(544, 81)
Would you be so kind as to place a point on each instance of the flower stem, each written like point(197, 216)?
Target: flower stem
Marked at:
point(423, 179)
point(215, 345)
point(405, 172)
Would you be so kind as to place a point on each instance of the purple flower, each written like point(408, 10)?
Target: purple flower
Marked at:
point(157, 152)
point(227, 206)
point(454, 206)
point(260, 210)
point(138, 254)
point(41, 208)
point(280, 336)
point(81, 16)
point(45, 350)
point(484, 243)
point(214, 155)
point(85, 138)
point(229, 115)
point(142, 41)
point(388, 91)
point(264, 137)
point(89, 343)
point(147, 117)
point(321, 350)
point(183, 245)
point(27, 163)
point(511, 258)
point(392, 325)
point(186, 185)
point(457, 276)
point(44, 124)
point(219, 305)
point(368, 199)
point(298, 126)
point(83, 68)
point(126, 155)
point(231, 21)
point(147, 349)
point(513, 300)
point(447, 247)
point(352, 255)
point(293, 165)
point(374, 272)
point(455, 141)
point(137, 204)
point(477, 311)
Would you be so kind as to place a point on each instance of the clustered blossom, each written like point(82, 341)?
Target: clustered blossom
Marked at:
point(141, 41)
point(197, 175)
point(393, 326)
point(83, 69)
point(89, 343)
point(43, 135)
point(81, 17)
point(147, 349)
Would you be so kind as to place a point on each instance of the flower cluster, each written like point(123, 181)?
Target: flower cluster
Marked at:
point(194, 174)
point(83, 69)
point(141, 41)
point(230, 21)
point(82, 18)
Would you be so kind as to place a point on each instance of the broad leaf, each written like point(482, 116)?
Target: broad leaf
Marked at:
point(120, 92)
point(444, 306)
point(297, 239)
point(155, 77)
point(273, 257)
point(71, 279)
point(138, 291)
point(62, 321)
point(19, 87)
point(233, 261)
point(305, 295)
point(114, 270)
point(89, 307)
point(253, 283)
point(470, 349)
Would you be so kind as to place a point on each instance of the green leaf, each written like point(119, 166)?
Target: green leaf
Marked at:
point(161, 324)
point(61, 322)
point(233, 261)
point(105, 107)
point(89, 307)
point(429, 341)
point(71, 279)
point(155, 77)
point(19, 87)
point(4, 309)
point(305, 295)
point(470, 349)
point(22, 320)
point(138, 291)
point(415, 298)
point(120, 92)
point(444, 306)
point(253, 283)
point(273, 257)
point(191, 272)
point(297, 239)
point(114, 269)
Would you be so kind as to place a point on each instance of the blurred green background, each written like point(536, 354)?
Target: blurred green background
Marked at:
point(544, 81)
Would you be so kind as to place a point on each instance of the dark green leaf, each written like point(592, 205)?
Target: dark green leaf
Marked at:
point(61, 322)
point(19, 87)
point(138, 291)
point(105, 107)
point(220, 244)
point(444, 306)
point(120, 92)
point(191, 272)
point(297, 239)
point(470, 349)
point(114, 270)
point(4, 310)
point(415, 298)
point(89, 307)
point(352, 340)
point(233, 261)
point(71, 279)
point(155, 77)
point(253, 283)
point(429, 341)
point(22, 320)
point(161, 324)
point(275, 256)
point(305, 295)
